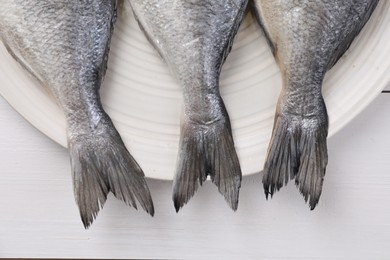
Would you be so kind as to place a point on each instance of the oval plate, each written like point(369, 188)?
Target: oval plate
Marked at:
point(144, 100)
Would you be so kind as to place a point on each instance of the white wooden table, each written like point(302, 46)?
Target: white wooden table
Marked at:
point(39, 218)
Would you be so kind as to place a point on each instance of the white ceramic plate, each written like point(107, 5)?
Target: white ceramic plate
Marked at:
point(144, 100)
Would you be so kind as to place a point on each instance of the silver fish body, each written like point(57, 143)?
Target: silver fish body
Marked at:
point(194, 37)
point(307, 38)
point(65, 45)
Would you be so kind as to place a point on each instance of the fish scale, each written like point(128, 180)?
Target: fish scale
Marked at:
point(307, 38)
point(194, 38)
point(65, 45)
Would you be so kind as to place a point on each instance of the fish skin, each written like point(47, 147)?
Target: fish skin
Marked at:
point(194, 37)
point(307, 38)
point(65, 45)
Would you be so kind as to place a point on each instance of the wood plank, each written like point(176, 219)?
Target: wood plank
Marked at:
point(39, 217)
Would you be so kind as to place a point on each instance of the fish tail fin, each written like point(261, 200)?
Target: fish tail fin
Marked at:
point(207, 150)
point(100, 164)
point(297, 150)
point(314, 158)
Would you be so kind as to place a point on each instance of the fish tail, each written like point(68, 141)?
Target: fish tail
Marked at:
point(101, 163)
point(314, 159)
point(207, 150)
point(297, 151)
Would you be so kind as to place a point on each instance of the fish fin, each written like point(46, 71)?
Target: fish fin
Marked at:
point(21, 61)
point(313, 161)
point(148, 36)
point(243, 10)
point(348, 39)
point(124, 7)
point(207, 150)
point(261, 23)
point(297, 150)
point(101, 163)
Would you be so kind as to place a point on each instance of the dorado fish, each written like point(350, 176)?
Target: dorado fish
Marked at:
point(194, 37)
point(307, 38)
point(64, 45)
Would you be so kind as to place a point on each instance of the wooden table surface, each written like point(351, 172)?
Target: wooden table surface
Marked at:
point(39, 218)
